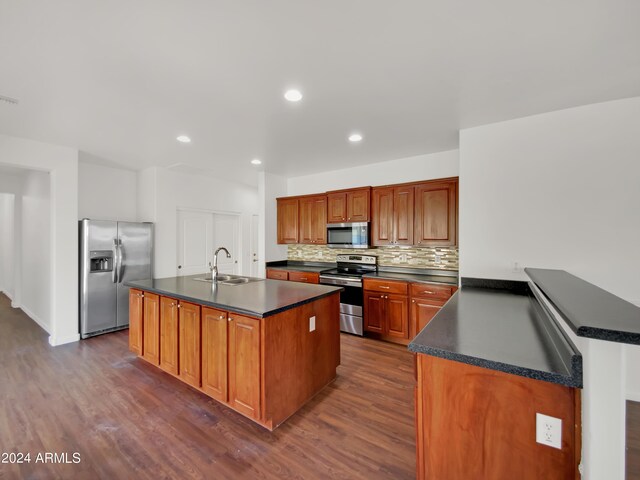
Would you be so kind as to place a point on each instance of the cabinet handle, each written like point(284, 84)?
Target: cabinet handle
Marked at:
point(221, 317)
point(230, 319)
point(413, 301)
point(418, 241)
point(141, 295)
point(304, 279)
point(172, 304)
point(179, 305)
point(383, 286)
point(428, 292)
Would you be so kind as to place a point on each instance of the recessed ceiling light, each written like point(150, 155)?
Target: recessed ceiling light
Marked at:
point(293, 95)
point(355, 137)
point(256, 161)
point(183, 139)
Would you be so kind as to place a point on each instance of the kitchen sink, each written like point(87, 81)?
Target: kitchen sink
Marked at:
point(230, 279)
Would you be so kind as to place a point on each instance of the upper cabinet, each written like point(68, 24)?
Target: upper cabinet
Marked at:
point(302, 219)
point(436, 212)
point(348, 205)
point(392, 215)
point(287, 220)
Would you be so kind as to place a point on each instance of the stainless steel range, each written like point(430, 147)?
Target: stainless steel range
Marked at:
point(349, 274)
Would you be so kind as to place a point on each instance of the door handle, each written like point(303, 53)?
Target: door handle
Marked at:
point(114, 268)
point(121, 263)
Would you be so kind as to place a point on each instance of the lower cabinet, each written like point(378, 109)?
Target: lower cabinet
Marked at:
point(386, 314)
point(214, 353)
point(189, 334)
point(426, 302)
point(244, 364)
point(169, 328)
point(151, 328)
point(136, 298)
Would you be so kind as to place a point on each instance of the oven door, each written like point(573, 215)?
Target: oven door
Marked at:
point(351, 300)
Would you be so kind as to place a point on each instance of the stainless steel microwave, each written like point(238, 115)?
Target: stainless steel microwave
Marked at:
point(348, 235)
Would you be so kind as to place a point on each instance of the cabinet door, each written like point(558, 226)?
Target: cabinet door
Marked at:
point(189, 319)
point(169, 334)
point(313, 220)
point(436, 214)
point(397, 315)
point(382, 216)
point(374, 312)
point(336, 207)
point(151, 328)
point(422, 311)
point(214, 353)
point(358, 205)
point(135, 320)
point(403, 205)
point(287, 220)
point(244, 364)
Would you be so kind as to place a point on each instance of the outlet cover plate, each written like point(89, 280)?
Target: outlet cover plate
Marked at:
point(549, 431)
point(312, 323)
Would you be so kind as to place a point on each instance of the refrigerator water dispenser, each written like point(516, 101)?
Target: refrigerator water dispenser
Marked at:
point(101, 261)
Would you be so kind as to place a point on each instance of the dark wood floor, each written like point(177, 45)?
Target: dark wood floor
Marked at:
point(127, 419)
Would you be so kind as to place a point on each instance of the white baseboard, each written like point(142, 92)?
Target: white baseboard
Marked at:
point(55, 341)
point(35, 318)
point(7, 294)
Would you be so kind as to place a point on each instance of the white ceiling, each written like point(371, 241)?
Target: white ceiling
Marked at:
point(120, 80)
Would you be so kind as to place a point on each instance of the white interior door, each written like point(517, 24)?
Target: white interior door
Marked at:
point(225, 234)
point(195, 241)
point(255, 260)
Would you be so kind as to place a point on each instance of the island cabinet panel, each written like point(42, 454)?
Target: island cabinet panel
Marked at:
point(151, 328)
point(244, 364)
point(478, 423)
point(169, 334)
point(190, 343)
point(135, 320)
point(287, 213)
point(214, 353)
point(436, 213)
point(313, 219)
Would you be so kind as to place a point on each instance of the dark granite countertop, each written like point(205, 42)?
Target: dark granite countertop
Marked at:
point(589, 311)
point(502, 328)
point(301, 266)
point(257, 299)
point(447, 277)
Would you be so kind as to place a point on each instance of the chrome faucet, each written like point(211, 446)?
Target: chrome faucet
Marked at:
point(214, 269)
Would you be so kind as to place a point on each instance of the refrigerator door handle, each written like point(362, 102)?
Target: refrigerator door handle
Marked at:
point(120, 262)
point(114, 271)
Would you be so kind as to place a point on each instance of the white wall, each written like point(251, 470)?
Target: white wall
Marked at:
point(35, 248)
point(6, 244)
point(270, 187)
point(562, 190)
point(62, 165)
point(162, 192)
point(410, 169)
point(106, 193)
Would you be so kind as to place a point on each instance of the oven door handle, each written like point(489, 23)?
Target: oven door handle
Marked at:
point(343, 282)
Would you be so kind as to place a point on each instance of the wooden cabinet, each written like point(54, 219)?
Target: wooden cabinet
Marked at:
point(304, 277)
point(244, 364)
point(214, 353)
point(426, 301)
point(436, 213)
point(287, 211)
point(151, 328)
point(190, 337)
point(169, 328)
point(275, 274)
point(348, 205)
point(386, 309)
point(392, 215)
point(313, 220)
point(135, 320)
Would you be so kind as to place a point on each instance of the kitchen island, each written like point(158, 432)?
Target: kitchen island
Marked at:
point(263, 348)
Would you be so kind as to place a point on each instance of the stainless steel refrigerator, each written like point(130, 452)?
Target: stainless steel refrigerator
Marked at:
point(111, 253)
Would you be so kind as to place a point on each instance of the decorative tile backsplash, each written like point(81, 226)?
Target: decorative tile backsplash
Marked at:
point(410, 257)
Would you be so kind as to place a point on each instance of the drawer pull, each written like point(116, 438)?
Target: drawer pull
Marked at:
point(384, 286)
point(429, 292)
point(221, 317)
point(304, 279)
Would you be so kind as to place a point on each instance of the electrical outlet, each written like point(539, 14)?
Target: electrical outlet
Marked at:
point(312, 323)
point(437, 259)
point(403, 258)
point(549, 430)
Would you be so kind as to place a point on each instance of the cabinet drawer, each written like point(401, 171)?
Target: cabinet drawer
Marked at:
point(429, 290)
point(305, 277)
point(385, 286)
point(277, 274)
